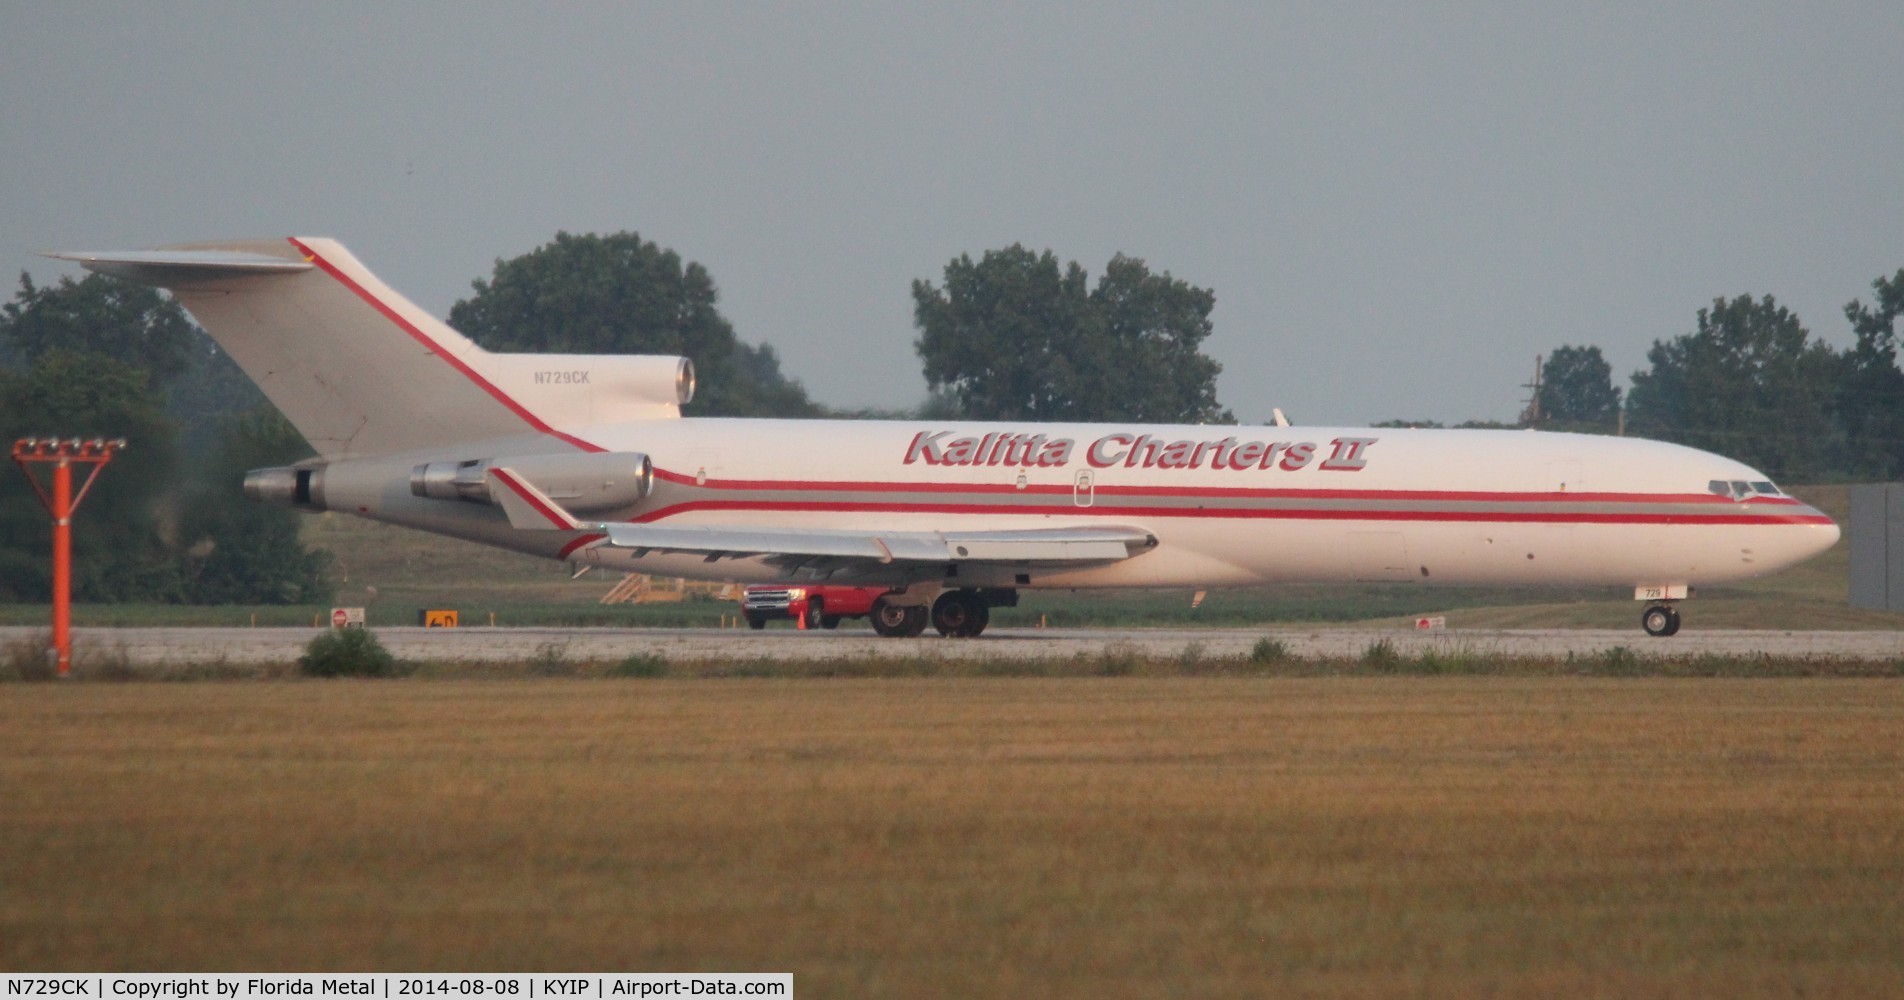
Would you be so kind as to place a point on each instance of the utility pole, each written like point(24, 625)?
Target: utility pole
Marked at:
point(62, 454)
point(1531, 415)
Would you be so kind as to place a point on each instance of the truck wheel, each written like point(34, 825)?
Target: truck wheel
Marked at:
point(816, 613)
point(756, 623)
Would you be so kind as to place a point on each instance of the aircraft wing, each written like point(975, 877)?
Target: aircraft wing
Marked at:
point(528, 507)
point(1047, 546)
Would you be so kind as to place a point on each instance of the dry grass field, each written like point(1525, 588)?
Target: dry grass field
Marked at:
point(971, 837)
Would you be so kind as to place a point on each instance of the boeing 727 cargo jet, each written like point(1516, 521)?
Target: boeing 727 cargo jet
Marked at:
point(587, 458)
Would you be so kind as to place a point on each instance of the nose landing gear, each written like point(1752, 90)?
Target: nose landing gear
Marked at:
point(1660, 620)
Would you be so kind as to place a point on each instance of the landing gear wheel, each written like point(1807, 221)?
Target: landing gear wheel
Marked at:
point(1660, 620)
point(895, 622)
point(816, 613)
point(960, 614)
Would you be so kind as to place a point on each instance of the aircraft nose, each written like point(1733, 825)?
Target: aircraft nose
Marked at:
point(1822, 535)
point(1816, 533)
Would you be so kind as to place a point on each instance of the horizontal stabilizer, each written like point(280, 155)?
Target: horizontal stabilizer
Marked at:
point(172, 268)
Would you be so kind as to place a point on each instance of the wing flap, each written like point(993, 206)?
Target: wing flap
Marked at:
point(1048, 544)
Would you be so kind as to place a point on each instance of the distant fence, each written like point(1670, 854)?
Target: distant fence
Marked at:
point(1877, 546)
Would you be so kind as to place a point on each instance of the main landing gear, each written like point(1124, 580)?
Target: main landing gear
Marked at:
point(1660, 620)
point(957, 614)
point(960, 614)
point(894, 622)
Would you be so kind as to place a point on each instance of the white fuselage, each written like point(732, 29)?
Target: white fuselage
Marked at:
point(1228, 505)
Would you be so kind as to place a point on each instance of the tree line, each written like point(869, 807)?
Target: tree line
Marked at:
point(1752, 383)
point(1014, 334)
point(165, 522)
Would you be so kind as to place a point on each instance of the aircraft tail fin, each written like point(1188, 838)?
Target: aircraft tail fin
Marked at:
point(360, 370)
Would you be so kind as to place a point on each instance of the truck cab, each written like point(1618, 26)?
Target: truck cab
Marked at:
point(810, 606)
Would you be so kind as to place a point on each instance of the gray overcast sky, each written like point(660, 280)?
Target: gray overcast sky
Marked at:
point(1397, 206)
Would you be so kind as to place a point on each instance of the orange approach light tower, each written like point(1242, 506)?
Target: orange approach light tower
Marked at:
point(62, 454)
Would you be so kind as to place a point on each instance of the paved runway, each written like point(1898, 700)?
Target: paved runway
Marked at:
point(263, 645)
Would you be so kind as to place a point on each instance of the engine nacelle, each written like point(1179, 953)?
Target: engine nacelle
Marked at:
point(299, 486)
point(572, 390)
point(582, 483)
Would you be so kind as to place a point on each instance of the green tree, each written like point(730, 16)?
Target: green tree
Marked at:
point(620, 294)
point(1749, 383)
point(1871, 395)
point(119, 547)
point(131, 323)
point(1576, 387)
point(103, 358)
point(210, 391)
point(238, 551)
point(1015, 336)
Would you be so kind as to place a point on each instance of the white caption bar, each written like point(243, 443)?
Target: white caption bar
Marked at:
point(395, 986)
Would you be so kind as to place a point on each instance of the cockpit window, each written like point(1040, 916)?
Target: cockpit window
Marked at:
point(1739, 489)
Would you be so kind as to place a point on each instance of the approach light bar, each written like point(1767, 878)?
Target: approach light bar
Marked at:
point(54, 447)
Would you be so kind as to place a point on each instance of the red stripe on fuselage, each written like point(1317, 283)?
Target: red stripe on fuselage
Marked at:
point(437, 349)
point(1209, 492)
point(1236, 513)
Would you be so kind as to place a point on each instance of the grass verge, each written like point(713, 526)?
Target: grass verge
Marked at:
point(1129, 836)
point(1269, 658)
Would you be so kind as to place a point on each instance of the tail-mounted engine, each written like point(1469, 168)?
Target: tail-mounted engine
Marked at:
point(299, 486)
point(583, 483)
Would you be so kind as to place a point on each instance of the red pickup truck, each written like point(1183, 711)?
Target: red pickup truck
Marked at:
point(962, 613)
point(822, 607)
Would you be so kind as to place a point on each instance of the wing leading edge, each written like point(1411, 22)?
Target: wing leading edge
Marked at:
point(529, 508)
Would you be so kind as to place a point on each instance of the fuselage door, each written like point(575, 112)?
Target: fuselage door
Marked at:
point(1084, 488)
